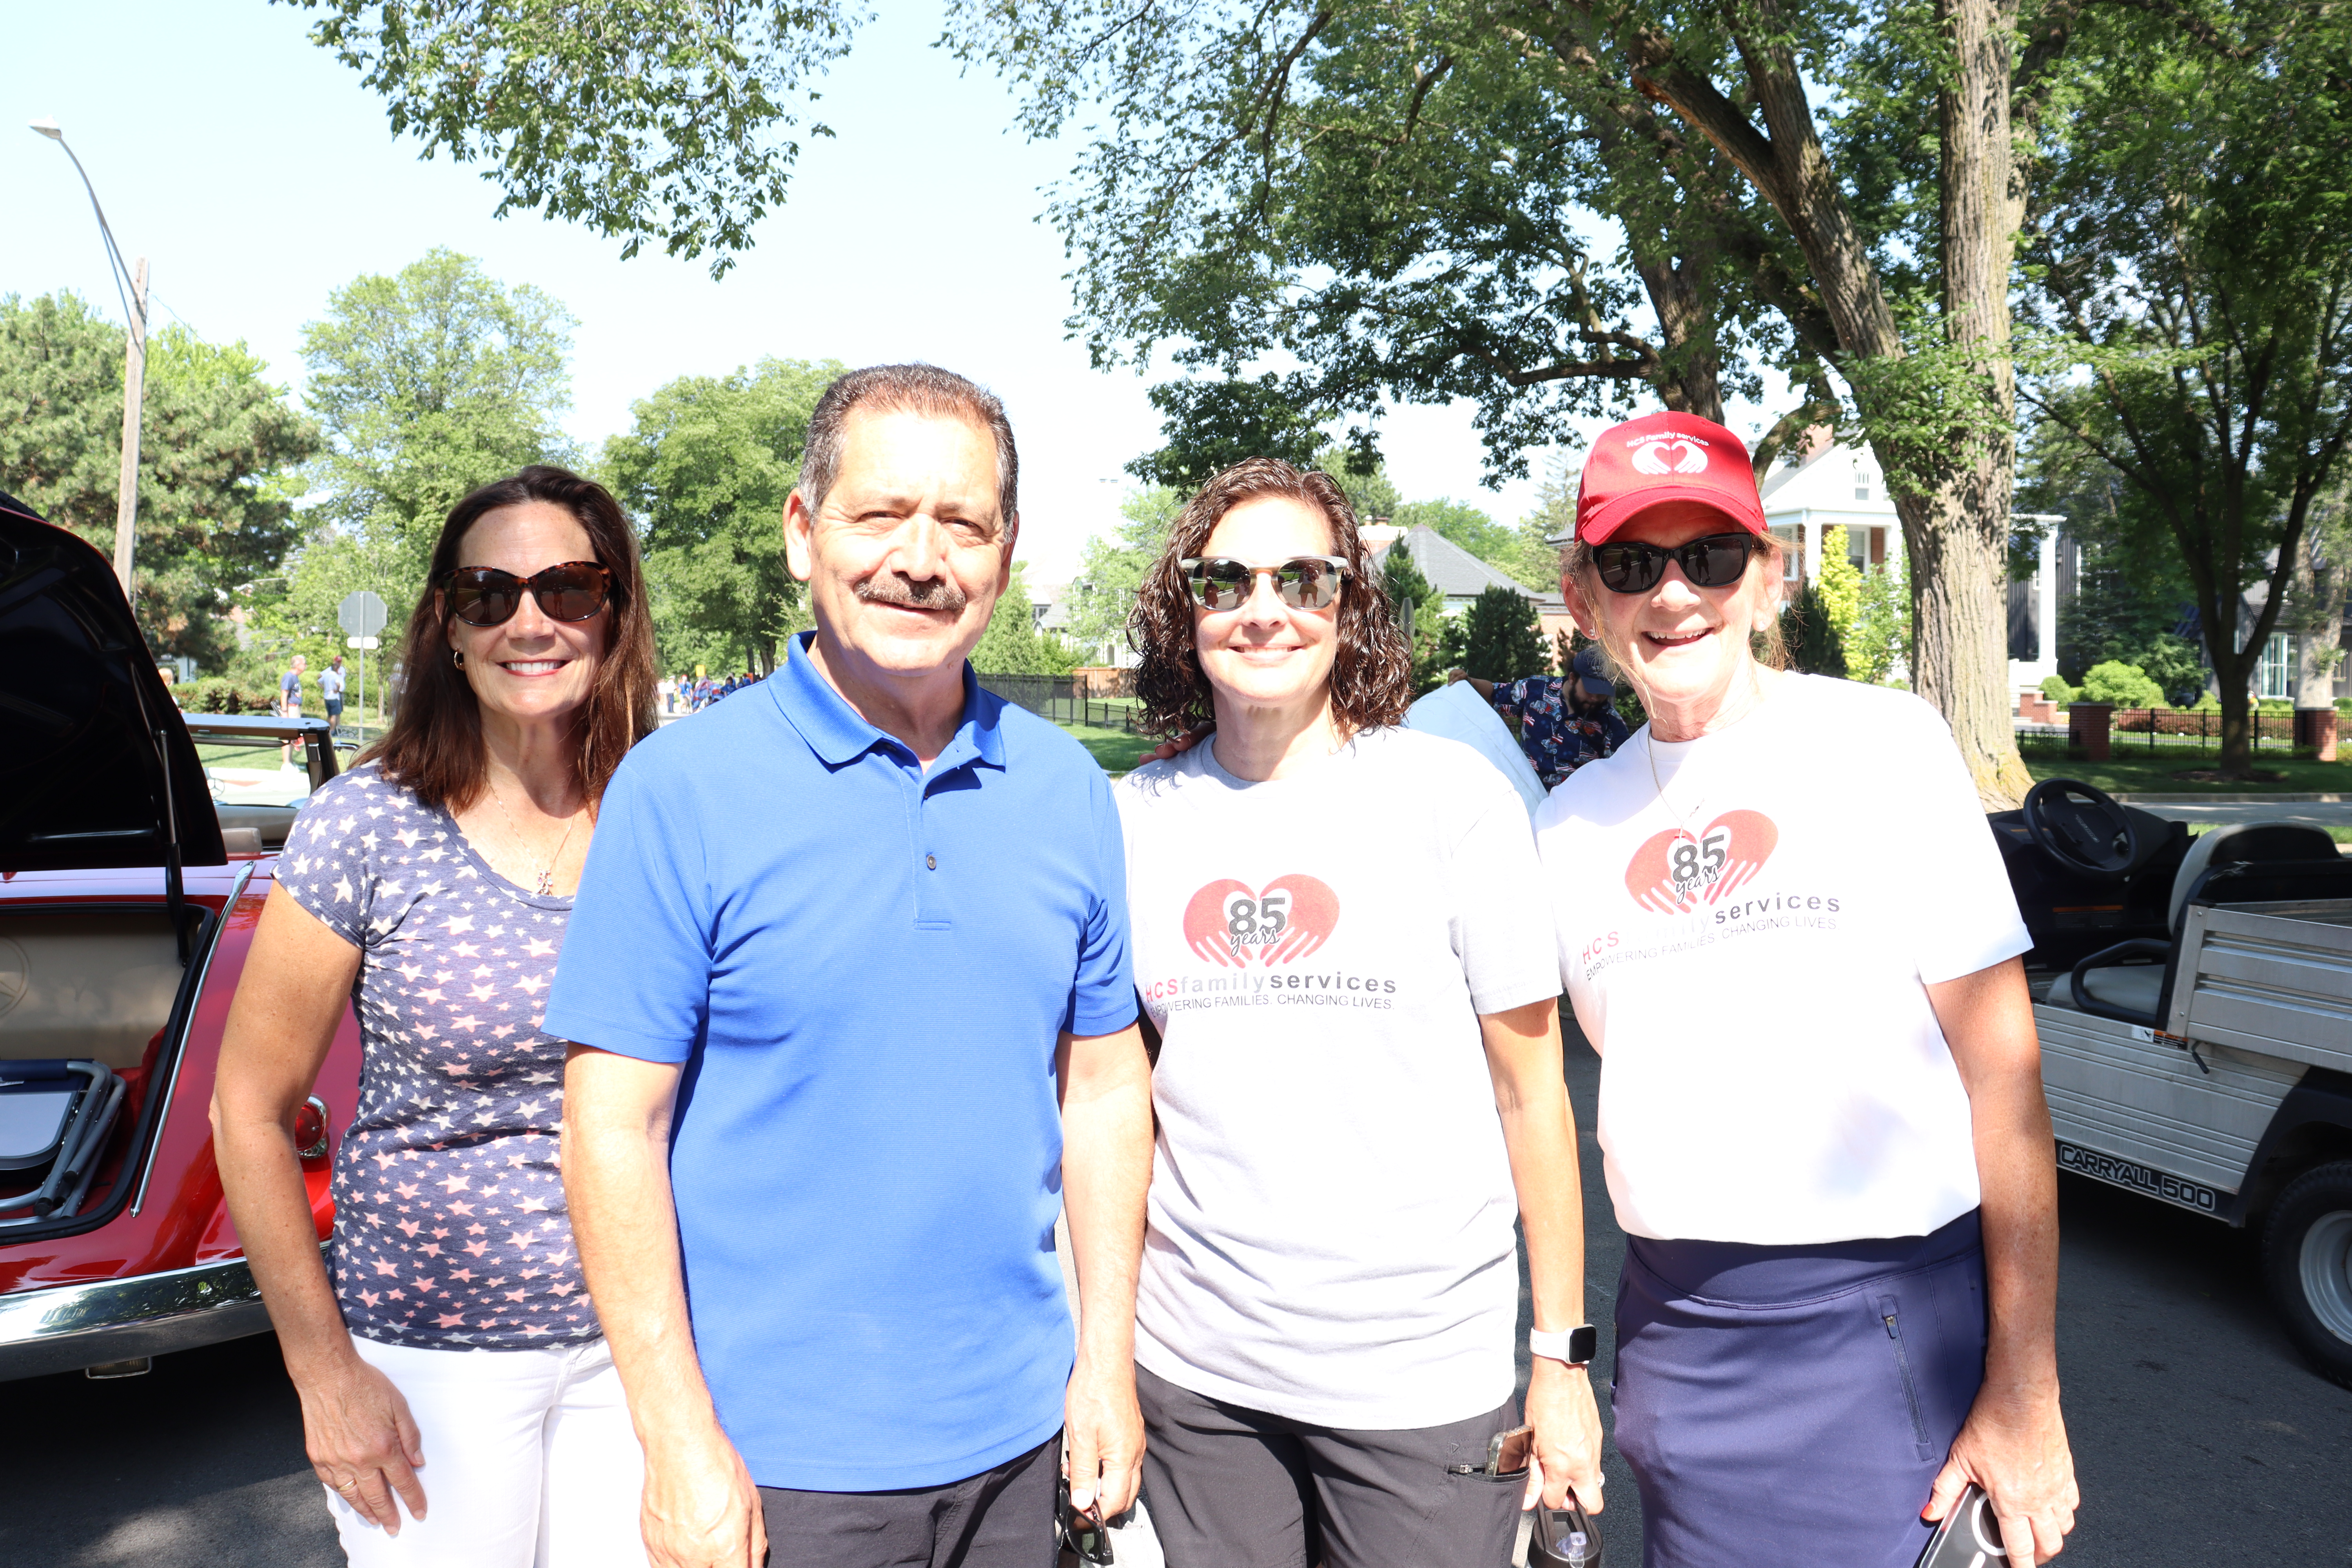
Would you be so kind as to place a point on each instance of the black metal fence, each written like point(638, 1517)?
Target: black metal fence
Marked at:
point(2183, 729)
point(1059, 699)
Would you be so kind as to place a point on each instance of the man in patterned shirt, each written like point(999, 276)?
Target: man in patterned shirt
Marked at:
point(1564, 721)
point(853, 1017)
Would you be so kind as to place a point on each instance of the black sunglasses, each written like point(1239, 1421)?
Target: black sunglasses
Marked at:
point(1305, 581)
point(1715, 562)
point(486, 596)
point(1083, 1533)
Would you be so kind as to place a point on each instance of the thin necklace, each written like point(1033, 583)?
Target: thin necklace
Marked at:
point(1681, 818)
point(546, 885)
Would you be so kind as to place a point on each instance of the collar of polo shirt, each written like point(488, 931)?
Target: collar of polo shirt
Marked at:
point(839, 733)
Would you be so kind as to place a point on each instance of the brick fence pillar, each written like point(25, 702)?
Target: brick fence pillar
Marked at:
point(2087, 726)
point(2315, 728)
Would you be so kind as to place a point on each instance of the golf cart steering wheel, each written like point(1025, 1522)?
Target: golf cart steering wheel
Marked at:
point(2081, 828)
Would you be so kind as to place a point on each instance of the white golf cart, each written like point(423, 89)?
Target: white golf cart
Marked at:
point(2194, 999)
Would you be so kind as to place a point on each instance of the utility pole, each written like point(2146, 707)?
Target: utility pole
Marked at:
point(134, 369)
point(135, 394)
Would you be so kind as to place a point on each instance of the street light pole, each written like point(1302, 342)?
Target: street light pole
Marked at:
point(135, 368)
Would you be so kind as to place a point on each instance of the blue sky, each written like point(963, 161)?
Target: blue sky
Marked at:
point(258, 174)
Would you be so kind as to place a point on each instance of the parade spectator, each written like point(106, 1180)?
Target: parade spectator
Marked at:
point(290, 705)
point(1821, 1090)
point(1343, 943)
point(459, 1401)
point(1564, 723)
point(841, 1059)
point(331, 688)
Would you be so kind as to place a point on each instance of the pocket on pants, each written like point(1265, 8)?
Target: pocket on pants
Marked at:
point(1891, 1318)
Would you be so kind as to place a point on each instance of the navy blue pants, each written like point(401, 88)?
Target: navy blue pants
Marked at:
point(1792, 1404)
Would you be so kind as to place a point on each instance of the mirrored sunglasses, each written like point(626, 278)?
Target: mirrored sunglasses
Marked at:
point(1715, 562)
point(1305, 581)
point(486, 596)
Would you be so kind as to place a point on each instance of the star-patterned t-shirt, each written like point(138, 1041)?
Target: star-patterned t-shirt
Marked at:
point(450, 1228)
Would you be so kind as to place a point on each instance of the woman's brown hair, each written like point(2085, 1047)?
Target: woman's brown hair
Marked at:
point(1371, 673)
point(434, 749)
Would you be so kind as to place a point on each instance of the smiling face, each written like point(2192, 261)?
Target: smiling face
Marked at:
point(906, 554)
point(1267, 653)
point(1686, 647)
point(531, 668)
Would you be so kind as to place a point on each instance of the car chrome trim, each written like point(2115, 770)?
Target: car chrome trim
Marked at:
point(64, 1328)
point(172, 1084)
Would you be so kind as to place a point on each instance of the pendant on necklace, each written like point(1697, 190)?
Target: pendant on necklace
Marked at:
point(547, 882)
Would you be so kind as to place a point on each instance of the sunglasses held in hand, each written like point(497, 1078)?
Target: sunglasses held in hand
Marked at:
point(1305, 581)
point(486, 596)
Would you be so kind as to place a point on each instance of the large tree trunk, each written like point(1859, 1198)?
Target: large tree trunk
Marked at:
point(1959, 532)
point(1956, 513)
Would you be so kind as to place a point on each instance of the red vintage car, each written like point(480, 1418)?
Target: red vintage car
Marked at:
point(128, 902)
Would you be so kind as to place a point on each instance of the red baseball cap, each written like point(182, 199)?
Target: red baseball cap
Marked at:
point(1665, 456)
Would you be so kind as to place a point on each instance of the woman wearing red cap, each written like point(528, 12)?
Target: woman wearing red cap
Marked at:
point(1785, 928)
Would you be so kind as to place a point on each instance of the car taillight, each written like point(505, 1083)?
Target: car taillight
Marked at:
point(310, 1128)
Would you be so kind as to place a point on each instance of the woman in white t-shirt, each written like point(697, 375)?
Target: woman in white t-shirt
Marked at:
point(1785, 927)
point(1340, 936)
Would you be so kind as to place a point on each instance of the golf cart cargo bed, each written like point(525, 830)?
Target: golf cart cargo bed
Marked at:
point(2269, 978)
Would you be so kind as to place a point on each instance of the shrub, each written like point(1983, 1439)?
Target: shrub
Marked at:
point(2054, 687)
point(2124, 685)
point(1812, 639)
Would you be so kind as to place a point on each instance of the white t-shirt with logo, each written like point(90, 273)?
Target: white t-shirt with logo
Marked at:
point(1750, 957)
point(1331, 1212)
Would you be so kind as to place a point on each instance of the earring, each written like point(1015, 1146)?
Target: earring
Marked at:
point(457, 657)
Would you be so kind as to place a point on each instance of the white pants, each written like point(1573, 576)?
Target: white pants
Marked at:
point(529, 1462)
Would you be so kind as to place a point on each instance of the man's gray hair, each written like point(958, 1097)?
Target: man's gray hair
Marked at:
point(908, 389)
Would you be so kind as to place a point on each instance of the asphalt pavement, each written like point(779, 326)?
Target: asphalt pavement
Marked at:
point(2199, 1437)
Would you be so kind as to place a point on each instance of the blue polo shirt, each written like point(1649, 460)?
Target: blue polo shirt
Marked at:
point(864, 967)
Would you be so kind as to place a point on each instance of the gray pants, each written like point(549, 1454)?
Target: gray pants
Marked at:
point(1232, 1488)
point(1001, 1517)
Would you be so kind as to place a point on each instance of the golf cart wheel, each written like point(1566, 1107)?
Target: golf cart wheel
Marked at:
point(2307, 1263)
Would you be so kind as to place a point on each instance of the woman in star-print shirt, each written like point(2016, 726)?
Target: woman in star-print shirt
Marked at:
point(429, 889)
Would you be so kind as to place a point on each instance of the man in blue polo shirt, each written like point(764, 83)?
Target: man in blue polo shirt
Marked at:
point(847, 976)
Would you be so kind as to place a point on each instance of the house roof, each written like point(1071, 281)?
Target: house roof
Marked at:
point(1459, 575)
point(1831, 478)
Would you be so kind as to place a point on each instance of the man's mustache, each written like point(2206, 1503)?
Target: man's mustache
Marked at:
point(931, 593)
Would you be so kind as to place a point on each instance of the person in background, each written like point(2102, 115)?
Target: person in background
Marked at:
point(330, 687)
point(290, 705)
point(816, 1144)
point(1343, 940)
point(449, 1364)
point(1821, 1088)
point(1564, 721)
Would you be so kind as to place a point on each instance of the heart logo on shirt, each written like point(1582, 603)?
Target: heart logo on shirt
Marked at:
point(1675, 870)
point(1224, 922)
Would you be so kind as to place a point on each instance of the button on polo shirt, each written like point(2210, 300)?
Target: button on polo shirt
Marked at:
point(863, 965)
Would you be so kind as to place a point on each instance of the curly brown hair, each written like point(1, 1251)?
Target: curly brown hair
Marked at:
point(1371, 673)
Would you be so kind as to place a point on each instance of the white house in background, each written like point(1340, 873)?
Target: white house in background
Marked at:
point(1830, 484)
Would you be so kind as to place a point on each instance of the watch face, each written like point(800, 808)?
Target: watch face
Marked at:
point(1584, 1344)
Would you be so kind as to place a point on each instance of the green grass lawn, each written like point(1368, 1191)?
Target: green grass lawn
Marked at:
point(2129, 773)
point(1116, 750)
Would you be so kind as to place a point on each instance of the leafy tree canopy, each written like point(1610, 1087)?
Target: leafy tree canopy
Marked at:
point(642, 119)
point(218, 450)
point(428, 383)
point(2194, 257)
point(1405, 585)
point(705, 470)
